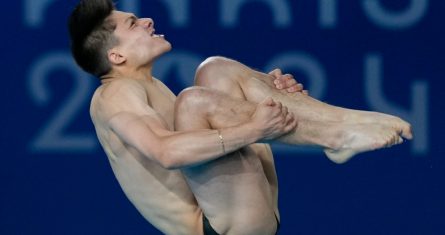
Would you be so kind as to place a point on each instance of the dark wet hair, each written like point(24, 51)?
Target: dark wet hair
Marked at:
point(92, 36)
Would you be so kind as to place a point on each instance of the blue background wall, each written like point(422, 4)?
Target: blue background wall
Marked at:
point(382, 55)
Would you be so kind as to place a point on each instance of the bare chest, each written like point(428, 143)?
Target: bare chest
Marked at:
point(163, 102)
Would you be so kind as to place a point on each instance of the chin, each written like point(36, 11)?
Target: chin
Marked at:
point(168, 46)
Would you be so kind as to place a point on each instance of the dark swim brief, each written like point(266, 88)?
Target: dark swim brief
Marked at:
point(208, 230)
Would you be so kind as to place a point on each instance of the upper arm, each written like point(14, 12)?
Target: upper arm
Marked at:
point(142, 132)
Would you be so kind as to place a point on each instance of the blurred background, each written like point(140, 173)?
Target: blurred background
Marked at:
point(382, 55)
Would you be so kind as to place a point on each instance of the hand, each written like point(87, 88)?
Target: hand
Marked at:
point(286, 82)
point(272, 119)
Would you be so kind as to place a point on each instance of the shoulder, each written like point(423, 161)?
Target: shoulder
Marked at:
point(122, 87)
point(120, 91)
point(123, 95)
point(163, 87)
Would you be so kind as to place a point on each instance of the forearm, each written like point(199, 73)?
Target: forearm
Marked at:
point(191, 145)
point(191, 148)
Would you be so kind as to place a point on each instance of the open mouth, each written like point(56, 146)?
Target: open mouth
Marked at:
point(156, 35)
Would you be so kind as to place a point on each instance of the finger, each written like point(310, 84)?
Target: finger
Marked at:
point(289, 118)
point(276, 73)
point(295, 88)
point(300, 86)
point(292, 89)
point(392, 141)
point(293, 118)
point(279, 105)
point(279, 109)
point(284, 111)
point(291, 82)
point(395, 140)
point(306, 92)
point(407, 132)
point(289, 76)
point(387, 142)
point(283, 81)
point(400, 140)
point(268, 101)
point(280, 82)
point(292, 125)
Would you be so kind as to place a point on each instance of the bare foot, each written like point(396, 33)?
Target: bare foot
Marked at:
point(360, 138)
point(399, 125)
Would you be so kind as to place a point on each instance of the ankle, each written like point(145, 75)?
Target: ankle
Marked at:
point(336, 140)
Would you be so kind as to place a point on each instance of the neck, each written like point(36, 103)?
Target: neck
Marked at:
point(143, 73)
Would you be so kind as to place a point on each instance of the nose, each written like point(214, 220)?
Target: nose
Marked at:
point(147, 22)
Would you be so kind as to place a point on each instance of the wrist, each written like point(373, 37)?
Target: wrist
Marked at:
point(221, 139)
point(255, 133)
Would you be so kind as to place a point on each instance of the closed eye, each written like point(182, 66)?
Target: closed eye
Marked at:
point(132, 20)
point(133, 23)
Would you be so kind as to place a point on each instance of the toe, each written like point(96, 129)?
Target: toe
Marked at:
point(407, 132)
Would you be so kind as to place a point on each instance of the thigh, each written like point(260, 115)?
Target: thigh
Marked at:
point(264, 152)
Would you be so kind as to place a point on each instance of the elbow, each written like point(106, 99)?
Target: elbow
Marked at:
point(168, 164)
point(160, 153)
point(168, 160)
point(169, 156)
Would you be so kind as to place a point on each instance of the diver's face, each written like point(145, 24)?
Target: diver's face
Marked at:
point(137, 40)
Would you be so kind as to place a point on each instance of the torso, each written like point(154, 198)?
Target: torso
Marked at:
point(162, 196)
point(232, 191)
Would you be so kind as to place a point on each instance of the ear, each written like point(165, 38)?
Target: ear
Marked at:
point(115, 57)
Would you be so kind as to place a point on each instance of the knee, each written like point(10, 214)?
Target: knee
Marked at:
point(213, 70)
point(193, 108)
point(193, 100)
point(214, 63)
